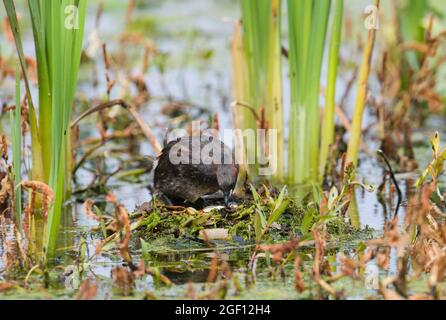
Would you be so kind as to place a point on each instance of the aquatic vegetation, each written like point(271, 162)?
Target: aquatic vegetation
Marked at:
point(308, 23)
point(328, 124)
point(262, 49)
point(142, 25)
point(38, 173)
point(361, 97)
point(308, 141)
point(268, 216)
point(436, 167)
point(15, 119)
point(263, 222)
point(412, 30)
point(58, 33)
point(401, 109)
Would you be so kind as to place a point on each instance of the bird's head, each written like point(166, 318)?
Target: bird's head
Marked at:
point(227, 178)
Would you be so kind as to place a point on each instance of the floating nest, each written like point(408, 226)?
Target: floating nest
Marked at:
point(155, 221)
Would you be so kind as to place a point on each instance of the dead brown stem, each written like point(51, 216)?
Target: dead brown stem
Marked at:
point(147, 131)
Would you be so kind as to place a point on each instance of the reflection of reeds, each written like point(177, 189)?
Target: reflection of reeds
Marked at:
point(58, 33)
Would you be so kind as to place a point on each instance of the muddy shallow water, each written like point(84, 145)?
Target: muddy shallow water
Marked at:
point(195, 37)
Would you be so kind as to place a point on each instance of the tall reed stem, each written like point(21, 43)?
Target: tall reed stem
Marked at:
point(240, 92)
point(65, 46)
point(308, 21)
point(16, 138)
point(361, 99)
point(37, 172)
point(58, 28)
point(328, 125)
point(261, 22)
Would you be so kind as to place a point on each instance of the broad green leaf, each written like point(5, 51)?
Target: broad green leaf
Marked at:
point(278, 211)
point(307, 221)
point(258, 227)
point(255, 195)
point(280, 198)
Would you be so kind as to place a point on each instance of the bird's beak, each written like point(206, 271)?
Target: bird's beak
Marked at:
point(227, 198)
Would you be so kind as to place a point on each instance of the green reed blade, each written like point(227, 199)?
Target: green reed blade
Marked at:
point(261, 21)
point(361, 98)
point(65, 44)
point(38, 168)
point(16, 138)
point(43, 74)
point(328, 125)
point(315, 58)
point(308, 22)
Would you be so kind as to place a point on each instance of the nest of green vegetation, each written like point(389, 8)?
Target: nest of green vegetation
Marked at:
point(157, 222)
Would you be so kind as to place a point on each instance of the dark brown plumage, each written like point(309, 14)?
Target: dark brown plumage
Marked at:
point(207, 166)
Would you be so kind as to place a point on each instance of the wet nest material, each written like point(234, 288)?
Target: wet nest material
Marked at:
point(188, 223)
